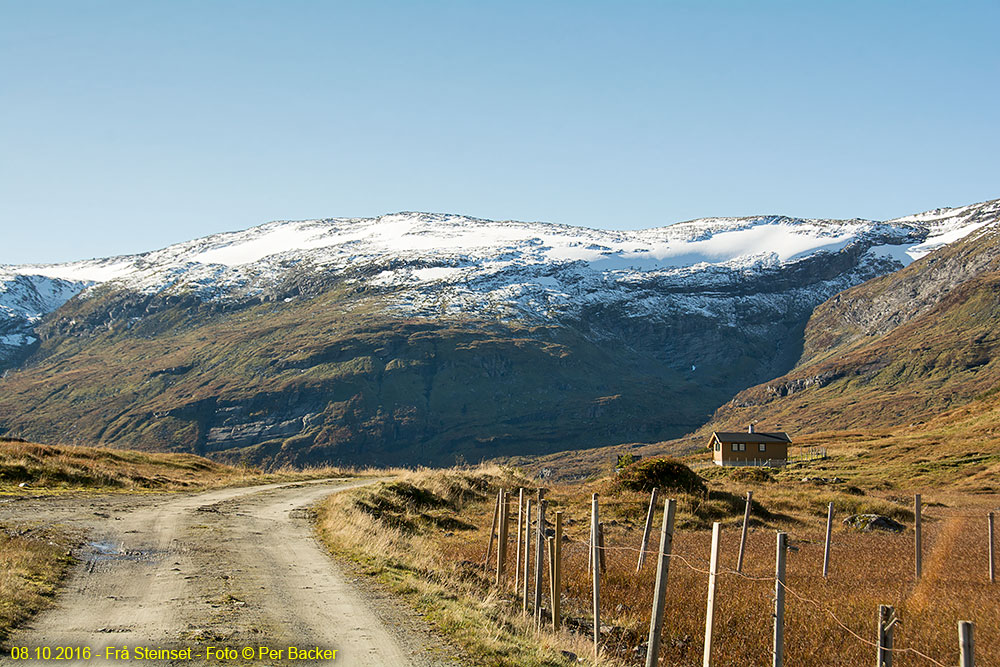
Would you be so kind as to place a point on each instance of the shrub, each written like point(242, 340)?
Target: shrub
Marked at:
point(751, 475)
point(662, 473)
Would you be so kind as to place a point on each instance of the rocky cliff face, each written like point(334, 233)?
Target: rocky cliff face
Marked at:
point(419, 338)
point(879, 306)
point(895, 350)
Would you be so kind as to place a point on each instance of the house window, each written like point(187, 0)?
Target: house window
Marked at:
point(762, 447)
point(718, 446)
point(739, 447)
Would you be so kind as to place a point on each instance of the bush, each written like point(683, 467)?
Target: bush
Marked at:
point(751, 475)
point(662, 473)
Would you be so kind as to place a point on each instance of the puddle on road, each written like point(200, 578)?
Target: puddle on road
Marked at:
point(101, 551)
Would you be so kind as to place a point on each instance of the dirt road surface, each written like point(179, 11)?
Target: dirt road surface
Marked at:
point(231, 568)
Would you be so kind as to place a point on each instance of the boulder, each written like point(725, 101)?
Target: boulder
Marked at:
point(870, 522)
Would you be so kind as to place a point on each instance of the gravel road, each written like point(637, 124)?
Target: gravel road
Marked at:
point(230, 569)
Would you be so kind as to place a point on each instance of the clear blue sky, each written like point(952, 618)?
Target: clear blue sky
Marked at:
point(131, 125)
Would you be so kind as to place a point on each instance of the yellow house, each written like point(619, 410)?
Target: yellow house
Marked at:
point(753, 448)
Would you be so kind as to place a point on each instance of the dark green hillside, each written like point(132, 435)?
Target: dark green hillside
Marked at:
point(334, 378)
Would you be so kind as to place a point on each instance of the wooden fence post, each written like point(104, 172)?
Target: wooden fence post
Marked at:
point(517, 551)
point(493, 530)
point(550, 550)
point(502, 536)
point(966, 646)
point(600, 545)
point(659, 592)
point(829, 534)
point(886, 624)
point(743, 535)
point(918, 551)
point(506, 527)
point(595, 575)
point(645, 531)
point(557, 576)
point(779, 600)
point(992, 555)
point(713, 571)
point(539, 558)
point(527, 555)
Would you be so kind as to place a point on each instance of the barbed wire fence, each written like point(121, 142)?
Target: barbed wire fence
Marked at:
point(596, 550)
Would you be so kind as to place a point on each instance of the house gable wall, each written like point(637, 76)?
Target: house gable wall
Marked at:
point(750, 452)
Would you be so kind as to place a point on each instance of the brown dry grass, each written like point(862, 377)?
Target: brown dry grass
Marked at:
point(32, 561)
point(411, 534)
point(822, 616)
point(49, 468)
point(867, 570)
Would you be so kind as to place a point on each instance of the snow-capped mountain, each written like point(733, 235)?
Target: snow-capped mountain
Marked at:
point(418, 337)
point(24, 300)
point(432, 263)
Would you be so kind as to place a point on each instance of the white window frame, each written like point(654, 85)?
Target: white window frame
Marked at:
point(762, 447)
point(739, 446)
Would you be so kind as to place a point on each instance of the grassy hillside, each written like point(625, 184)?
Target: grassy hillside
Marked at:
point(337, 378)
point(54, 467)
point(958, 451)
point(942, 359)
point(877, 306)
point(48, 468)
point(893, 352)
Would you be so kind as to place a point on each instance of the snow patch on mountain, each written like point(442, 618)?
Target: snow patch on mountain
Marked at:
point(226, 261)
point(24, 300)
point(947, 225)
point(435, 263)
point(17, 340)
point(30, 297)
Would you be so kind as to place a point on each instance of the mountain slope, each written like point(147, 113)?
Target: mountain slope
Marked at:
point(898, 349)
point(423, 338)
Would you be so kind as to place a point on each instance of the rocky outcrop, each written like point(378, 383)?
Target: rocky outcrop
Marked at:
point(894, 350)
point(868, 523)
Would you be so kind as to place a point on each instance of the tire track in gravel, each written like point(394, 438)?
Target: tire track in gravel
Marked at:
point(232, 567)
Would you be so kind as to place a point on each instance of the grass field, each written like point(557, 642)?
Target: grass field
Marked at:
point(426, 535)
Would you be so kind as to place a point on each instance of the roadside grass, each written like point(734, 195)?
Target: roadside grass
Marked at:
point(33, 560)
point(425, 535)
point(411, 534)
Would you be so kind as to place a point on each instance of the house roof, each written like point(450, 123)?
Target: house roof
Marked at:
point(757, 436)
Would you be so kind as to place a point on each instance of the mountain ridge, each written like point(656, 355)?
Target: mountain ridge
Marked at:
point(190, 264)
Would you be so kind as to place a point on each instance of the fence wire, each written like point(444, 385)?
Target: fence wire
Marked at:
point(772, 581)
